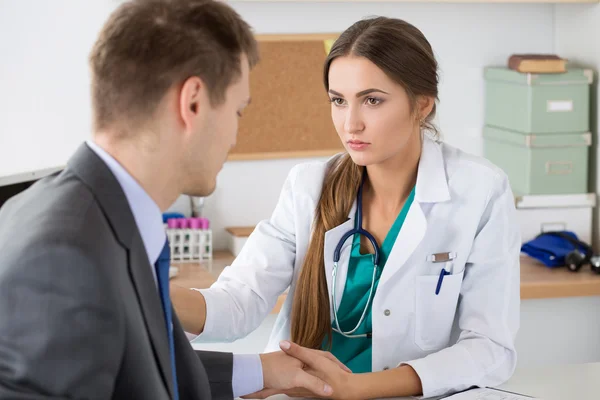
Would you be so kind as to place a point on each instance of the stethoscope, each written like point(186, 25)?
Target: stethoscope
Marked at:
point(336, 258)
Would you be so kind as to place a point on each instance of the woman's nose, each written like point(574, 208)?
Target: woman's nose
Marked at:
point(353, 122)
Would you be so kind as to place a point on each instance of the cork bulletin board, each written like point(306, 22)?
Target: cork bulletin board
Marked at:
point(290, 114)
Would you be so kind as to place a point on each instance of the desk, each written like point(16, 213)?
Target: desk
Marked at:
point(537, 281)
point(559, 382)
point(563, 382)
point(197, 275)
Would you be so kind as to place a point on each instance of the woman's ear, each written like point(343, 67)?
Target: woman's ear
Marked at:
point(424, 106)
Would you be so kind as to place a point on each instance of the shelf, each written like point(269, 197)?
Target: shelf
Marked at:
point(541, 282)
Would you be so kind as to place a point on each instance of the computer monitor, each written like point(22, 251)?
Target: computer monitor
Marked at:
point(15, 184)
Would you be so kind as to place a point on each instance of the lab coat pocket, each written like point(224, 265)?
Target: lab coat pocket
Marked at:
point(435, 312)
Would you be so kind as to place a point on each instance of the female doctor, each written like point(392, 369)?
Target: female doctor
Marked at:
point(401, 255)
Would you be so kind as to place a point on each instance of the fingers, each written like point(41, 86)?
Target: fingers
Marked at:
point(301, 353)
point(313, 384)
point(263, 394)
point(309, 357)
point(302, 394)
point(333, 358)
point(296, 393)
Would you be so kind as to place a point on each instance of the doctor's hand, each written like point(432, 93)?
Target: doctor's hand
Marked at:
point(324, 368)
point(190, 307)
point(283, 374)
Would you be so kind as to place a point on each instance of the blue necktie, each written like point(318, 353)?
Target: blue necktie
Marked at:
point(162, 274)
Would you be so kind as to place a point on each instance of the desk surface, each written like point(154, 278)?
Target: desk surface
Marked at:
point(537, 281)
point(202, 275)
point(563, 382)
point(560, 382)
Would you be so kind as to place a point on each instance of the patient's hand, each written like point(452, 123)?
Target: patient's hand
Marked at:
point(326, 367)
point(300, 388)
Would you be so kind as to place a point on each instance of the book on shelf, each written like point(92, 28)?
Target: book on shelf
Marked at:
point(537, 63)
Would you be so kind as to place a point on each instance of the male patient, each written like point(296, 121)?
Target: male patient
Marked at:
point(84, 304)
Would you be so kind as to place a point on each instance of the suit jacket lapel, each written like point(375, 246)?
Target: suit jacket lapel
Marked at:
point(97, 176)
point(147, 293)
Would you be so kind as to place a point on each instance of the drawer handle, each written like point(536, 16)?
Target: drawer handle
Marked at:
point(559, 167)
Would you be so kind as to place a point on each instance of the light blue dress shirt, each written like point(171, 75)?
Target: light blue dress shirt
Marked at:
point(247, 368)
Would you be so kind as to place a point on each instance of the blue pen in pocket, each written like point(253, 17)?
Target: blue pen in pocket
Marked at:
point(443, 273)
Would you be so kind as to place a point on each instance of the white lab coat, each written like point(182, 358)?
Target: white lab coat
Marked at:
point(462, 337)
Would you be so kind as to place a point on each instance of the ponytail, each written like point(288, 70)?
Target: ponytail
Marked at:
point(311, 321)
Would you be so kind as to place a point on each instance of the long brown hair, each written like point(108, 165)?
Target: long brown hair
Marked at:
point(404, 54)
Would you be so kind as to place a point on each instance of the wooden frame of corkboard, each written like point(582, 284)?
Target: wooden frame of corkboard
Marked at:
point(290, 114)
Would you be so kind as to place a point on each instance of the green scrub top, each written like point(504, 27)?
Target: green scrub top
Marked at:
point(356, 353)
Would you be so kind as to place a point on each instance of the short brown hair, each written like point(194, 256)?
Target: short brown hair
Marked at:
point(147, 46)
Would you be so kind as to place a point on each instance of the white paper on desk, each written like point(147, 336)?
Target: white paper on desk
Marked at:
point(488, 394)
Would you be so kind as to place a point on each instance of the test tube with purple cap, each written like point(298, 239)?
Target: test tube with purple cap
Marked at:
point(174, 237)
point(206, 228)
point(196, 236)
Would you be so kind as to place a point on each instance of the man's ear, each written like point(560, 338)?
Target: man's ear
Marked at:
point(192, 100)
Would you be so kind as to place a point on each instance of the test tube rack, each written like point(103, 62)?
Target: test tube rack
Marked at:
point(190, 239)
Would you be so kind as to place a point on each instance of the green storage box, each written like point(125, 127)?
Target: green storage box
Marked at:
point(538, 103)
point(540, 164)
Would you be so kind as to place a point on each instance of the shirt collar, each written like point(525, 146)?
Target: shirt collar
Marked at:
point(432, 183)
point(146, 212)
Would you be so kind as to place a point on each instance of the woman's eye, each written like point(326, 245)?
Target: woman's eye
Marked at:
point(337, 101)
point(373, 101)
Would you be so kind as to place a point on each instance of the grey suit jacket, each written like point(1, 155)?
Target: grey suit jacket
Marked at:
point(80, 314)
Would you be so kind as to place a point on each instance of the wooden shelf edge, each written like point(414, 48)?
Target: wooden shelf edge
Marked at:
point(559, 290)
point(283, 154)
point(293, 37)
point(240, 231)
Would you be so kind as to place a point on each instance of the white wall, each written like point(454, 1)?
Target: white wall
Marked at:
point(44, 82)
point(465, 37)
point(577, 33)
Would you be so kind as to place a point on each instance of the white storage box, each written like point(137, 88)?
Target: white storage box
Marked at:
point(542, 213)
point(237, 238)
